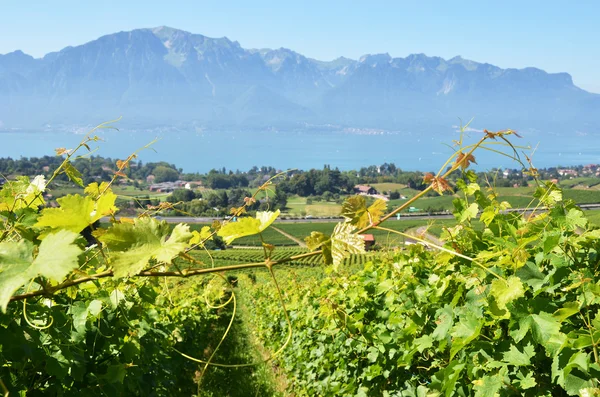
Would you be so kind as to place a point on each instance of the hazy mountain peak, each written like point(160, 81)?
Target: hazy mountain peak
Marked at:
point(374, 59)
point(162, 75)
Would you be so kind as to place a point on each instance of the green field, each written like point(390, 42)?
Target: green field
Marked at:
point(296, 206)
point(127, 191)
point(582, 182)
point(271, 236)
point(385, 238)
point(388, 187)
point(237, 256)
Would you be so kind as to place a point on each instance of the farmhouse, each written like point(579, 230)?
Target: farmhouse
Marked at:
point(364, 189)
point(369, 240)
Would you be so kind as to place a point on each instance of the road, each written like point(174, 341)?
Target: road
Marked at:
point(189, 219)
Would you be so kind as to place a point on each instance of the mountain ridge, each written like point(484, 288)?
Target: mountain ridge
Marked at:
point(161, 76)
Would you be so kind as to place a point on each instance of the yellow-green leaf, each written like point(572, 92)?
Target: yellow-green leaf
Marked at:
point(77, 212)
point(73, 173)
point(57, 256)
point(131, 246)
point(344, 242)
point(356, 212)
point(247, 226)
point(21, 193)
point(507, 291)
point(198, 237)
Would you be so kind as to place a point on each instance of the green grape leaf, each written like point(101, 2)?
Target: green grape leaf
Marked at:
point(544, 328)
point(266, 218)
point(575, 219)
point(344, 243)
point(356, 212)
point(199, 236)
point(15, 268)
point(488, 386)
point(507, 291)
point(488, 215)
point(133, 245)
point(57, 256)
point(73, 173)
point(21, 193)
point(467, 329)
point(517, 358)
point(103, 196)
point(526, 381)
point(77, 212)
point(247, 226)
point(469, 213)
point(444, 320)
point(445, 379)
point(316, 240)
point(568, 309)
point(549, 195)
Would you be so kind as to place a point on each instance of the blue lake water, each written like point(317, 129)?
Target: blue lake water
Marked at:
point(241, 150)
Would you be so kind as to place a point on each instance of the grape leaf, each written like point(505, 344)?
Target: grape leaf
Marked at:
point(57, 255)
point(77, 212)
point(469, 213)
point(73, 173)
point(56, 258)
point(15, 268)
point(356, 212)
point(544, 328)
point(316, 240)
point(507, 291)
point(19, 194)
point(488, 386)
point(463, 332)
point(198, 237)
point(517, 358)
point(133, 245)
point(444, 320)
point(344, 243)
point(247, 226)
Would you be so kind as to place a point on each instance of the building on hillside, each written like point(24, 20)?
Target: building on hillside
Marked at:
point(364, 189)
point(369, 241)
point(166, 187)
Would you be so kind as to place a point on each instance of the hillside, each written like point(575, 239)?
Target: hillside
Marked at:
point(168, 77)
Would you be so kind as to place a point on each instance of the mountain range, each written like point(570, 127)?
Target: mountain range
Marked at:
point(163, 77)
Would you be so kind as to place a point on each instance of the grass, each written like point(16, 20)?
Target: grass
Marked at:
point(296, 206)
point(302, 230)
point(581, 181)
point(582, 196)
point(386, 187)
point(593, 216)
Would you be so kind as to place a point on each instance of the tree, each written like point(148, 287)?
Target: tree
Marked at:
point(165, 174)
point(181, 195)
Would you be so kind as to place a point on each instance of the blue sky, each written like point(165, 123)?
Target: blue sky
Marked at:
point(557, 36)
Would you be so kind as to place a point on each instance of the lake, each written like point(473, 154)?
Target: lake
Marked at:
point(200, 152)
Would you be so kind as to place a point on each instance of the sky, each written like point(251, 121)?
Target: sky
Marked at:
point(556, 36)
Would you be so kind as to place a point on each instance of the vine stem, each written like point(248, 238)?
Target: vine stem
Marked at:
point(4, 388)
point(454, 167)
point(187, 273)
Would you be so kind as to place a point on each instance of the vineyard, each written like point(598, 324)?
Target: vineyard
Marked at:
point(270, 235)
point(509, 304)
point(233, 256)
